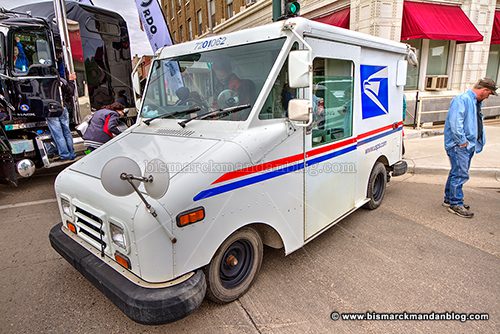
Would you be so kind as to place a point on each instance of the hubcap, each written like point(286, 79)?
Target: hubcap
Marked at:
point(236, 263)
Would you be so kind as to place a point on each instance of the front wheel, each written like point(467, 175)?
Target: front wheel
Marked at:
point(234, 266)
point(376, 186)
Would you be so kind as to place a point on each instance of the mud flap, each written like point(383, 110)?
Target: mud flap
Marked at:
point(7, 165)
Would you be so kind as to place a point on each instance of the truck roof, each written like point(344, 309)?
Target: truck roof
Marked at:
point(45, 9)
point(302, 26)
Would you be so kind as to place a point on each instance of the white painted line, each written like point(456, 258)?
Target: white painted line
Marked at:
point(20, 205)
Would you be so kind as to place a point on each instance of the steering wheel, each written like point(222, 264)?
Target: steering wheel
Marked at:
point(228, 98)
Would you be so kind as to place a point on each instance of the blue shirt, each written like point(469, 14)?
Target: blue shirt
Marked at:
point(21, 60)
point(461, 123)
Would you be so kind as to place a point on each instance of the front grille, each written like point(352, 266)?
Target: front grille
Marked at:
point(90, 228)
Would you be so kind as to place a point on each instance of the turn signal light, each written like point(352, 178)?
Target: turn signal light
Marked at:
point(71, 226)
point(122, 260)
point(190, 216)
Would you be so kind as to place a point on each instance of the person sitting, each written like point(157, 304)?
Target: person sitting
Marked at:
point(183, 96)
point(241, 91)
point(104, 125)
point(20, 59)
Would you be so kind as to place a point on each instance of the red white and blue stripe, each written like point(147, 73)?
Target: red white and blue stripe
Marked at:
point(275, 168)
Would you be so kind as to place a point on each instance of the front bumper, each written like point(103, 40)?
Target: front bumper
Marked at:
point(144, 305)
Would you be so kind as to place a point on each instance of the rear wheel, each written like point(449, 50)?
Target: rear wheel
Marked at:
point(376, 186)
point(234, 266)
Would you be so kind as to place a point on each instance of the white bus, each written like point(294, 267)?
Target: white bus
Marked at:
point(265, 136)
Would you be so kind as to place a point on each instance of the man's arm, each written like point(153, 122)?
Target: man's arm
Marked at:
point(20, 47)
point(113, 124)
point(456, 119)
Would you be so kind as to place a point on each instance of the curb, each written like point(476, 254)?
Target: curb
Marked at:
point(492, 173)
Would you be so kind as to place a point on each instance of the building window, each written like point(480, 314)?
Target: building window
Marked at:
point(437, 63)
point(229, 8)
point(493, 62)
point(181, 38)
point(412, 73)
point(200, 22)
point(190, 29)
point(212, 12)
point(172, 8)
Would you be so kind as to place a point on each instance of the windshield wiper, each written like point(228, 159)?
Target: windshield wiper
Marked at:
point(217, 112)
point(148, 121)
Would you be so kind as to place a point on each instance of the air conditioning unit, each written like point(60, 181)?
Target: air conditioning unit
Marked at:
point(436, 82)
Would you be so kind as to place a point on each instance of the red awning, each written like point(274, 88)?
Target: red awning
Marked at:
point(439, 22)
point(495, 35)
point(338, 19)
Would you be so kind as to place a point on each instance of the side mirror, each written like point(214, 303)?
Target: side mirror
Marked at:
point(298, 68)
point(299, 110)
point(136, 83)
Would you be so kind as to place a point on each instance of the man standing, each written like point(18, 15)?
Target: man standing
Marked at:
point(464, 135)
point(59, 126)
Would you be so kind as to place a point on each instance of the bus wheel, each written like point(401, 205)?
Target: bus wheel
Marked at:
point(234, 266)
point(376, 186)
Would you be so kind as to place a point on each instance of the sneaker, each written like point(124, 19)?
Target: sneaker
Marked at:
point(461, 211)
point(447, 205)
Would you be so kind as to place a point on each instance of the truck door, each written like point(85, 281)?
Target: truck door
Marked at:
point(330, 143)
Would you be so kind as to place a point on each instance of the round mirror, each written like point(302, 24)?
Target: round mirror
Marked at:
point(111, 172)
point(161, 178)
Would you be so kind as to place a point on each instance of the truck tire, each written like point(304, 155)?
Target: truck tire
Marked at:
point(376, 186)
point(234, 266)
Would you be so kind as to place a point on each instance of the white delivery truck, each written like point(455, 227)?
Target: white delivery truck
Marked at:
point(265, 136)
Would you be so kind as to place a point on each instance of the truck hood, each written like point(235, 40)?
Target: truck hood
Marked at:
point(176, 152)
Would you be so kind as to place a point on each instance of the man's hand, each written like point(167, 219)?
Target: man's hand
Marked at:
point(463, 145)
point(72, 77)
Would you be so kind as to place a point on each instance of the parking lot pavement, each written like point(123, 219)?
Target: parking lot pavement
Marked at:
point(408, 255)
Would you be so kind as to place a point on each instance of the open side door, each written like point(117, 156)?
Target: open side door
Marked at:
point(330, 142)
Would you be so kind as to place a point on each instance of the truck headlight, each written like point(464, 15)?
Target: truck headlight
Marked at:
point(118, 236)
point(66, 207)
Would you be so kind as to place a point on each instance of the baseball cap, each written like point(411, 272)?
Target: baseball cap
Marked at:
point(488, 83)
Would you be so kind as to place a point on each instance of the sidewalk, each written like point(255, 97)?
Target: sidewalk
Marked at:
point(427, 155)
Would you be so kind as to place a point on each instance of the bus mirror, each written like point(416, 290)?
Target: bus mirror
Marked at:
point(298, 110)
point(298, 68)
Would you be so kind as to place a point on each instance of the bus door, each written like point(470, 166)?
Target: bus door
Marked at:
point(330, 144)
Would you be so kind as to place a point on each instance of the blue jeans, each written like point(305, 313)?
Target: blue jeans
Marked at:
point(59, 129)
point(460, 159)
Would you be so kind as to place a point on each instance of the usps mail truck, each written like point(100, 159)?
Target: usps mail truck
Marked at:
point(265, 136)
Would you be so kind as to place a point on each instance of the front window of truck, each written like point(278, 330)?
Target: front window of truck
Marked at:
point(31, 52)
point(210, 80)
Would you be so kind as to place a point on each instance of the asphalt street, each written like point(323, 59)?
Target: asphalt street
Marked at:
point(408, 255)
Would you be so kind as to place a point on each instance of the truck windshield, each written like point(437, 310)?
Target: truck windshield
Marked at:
point(30, 49)
point(212, 80)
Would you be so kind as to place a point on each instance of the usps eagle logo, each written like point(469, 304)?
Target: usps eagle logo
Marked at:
point(374, 90)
